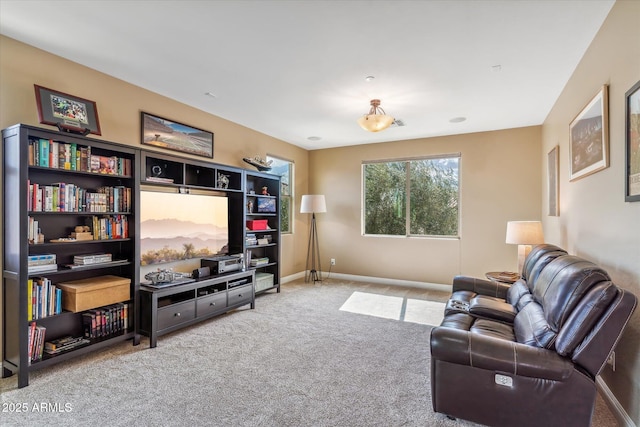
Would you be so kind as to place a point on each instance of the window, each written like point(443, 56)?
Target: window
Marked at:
point(284, 168)
point(416, 197)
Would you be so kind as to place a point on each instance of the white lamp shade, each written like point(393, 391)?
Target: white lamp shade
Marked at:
point(313, 203)
point(524, 233)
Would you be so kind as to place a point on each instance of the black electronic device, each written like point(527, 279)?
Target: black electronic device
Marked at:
point(201, 272)
point(222, 264)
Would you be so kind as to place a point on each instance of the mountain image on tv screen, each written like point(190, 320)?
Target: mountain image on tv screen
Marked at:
point(175, 227)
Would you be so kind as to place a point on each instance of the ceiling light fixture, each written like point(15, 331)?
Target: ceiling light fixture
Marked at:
point(376, 120)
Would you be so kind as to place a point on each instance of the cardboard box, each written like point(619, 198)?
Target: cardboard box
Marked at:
point(85, 294)
point(257, 224)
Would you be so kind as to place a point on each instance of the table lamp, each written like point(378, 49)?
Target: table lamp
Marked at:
point(524, 234)
point(313, 203)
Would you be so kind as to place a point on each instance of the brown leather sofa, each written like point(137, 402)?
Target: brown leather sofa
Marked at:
point(539, 369)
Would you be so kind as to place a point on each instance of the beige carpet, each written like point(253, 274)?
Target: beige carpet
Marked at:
point(300, 358)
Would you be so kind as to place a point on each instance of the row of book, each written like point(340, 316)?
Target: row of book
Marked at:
point(44, 299)
point(41, 263)
point(66, 197)
point(69, 156)
point(110, 227)
point(102, 322)
point(36, 342)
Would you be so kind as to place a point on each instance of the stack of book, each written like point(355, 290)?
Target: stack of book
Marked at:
point(36, 342)
point(251, 239)
point(256, 262)
point(91, 259)
point(64, 344)
point(41, 263)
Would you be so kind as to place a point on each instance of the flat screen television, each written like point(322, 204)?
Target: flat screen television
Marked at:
point(177, 227)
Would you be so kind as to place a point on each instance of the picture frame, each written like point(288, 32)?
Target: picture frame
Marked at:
point(68, 112)
point(589, 137)
point(553, 186)
point(171, 135)
point(632, 135)
point(266, 205)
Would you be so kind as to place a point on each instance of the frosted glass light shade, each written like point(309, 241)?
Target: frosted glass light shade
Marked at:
point(375, 122)
point(524, 233)
point(313, 203)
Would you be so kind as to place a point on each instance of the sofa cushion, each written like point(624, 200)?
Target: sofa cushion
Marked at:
point(492, 328)
point(530, 327)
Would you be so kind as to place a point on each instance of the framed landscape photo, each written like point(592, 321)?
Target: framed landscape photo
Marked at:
point(632, 118)
point(552, 181)
point(175, 136)
point(68, 112)
point(589, 137)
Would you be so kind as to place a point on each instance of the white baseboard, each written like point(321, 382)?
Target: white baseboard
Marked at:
point(616, 408)
point(377, 280)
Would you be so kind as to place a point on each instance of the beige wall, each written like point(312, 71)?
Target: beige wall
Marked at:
point(595, 222)
point(500, 181)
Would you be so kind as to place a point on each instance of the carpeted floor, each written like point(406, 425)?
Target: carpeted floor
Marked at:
point(304, 357)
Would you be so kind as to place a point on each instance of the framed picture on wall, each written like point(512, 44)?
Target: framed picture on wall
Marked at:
point(589, 137)
point(552, 181)
point(67, 112)
point(632, 118)
point(175, 136)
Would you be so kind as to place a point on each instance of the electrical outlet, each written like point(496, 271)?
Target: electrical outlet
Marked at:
point(612, 361)
point(333, 261)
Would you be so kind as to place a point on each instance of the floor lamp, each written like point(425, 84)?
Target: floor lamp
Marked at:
point(313, 203)
point(524, 234)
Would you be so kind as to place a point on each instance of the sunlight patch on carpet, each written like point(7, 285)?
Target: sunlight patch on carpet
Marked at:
point(396, 308)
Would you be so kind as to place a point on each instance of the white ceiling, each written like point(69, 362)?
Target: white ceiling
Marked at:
point(295, 69)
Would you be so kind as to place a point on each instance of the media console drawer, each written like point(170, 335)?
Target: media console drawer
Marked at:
point(214, 303)
point(240, 295)
point(175, 314)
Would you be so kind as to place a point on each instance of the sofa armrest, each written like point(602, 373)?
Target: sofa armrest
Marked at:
point(481, 286)
point(490, 353)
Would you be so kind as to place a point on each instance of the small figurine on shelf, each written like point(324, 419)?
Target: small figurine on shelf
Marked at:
point(223, 181)
point(250, 206)
point(265, 191)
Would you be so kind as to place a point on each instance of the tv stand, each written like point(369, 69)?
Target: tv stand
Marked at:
point(164, 310)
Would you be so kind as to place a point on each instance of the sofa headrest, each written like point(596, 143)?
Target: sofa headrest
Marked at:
point(582, 320)
point(534, 256)
point(562, 284)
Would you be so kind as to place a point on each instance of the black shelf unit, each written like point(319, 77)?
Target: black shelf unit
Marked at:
point(256, 184)
point(185, 175)
point(19, 173)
